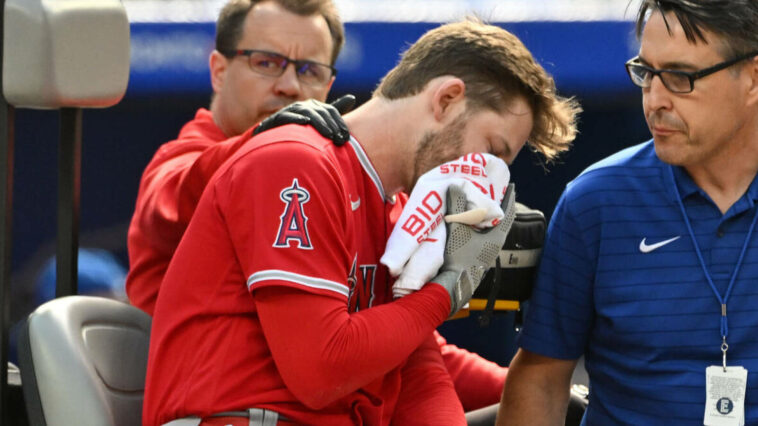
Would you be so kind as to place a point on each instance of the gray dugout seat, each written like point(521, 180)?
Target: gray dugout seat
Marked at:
point(83, 362)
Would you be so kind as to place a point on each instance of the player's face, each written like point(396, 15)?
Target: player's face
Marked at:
point(245, 97)
point(502, 134)
point(694, 128)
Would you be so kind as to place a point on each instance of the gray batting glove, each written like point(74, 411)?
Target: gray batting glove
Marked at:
point(469, 252)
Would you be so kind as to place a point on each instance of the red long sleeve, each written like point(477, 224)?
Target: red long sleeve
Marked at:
point(323, 353)
point(478, 381)
point(427, 395)
point(169, 191)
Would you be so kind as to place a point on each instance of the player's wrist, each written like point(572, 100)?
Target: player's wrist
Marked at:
point(446, 281)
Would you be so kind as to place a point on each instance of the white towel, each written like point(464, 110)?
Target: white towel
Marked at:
point(416, 246)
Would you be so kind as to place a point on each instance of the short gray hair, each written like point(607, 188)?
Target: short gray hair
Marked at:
point(231, 20)
point(735, 21)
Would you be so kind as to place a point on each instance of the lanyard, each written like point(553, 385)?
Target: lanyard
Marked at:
point(722, 300)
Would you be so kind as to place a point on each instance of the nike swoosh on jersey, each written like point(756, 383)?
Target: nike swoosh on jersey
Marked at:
point(647, 248)
point(355, 204)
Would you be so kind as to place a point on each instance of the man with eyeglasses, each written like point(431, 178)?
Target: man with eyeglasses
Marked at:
point(248, 87)
point(651, 261)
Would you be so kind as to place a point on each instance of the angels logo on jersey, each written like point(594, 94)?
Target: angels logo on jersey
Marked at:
point(293, 222)
point(361, 286)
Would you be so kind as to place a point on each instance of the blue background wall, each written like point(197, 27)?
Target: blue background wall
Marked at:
point(169, 81)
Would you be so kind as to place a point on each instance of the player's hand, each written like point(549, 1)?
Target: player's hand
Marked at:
point(469, 252)
point(325, 118)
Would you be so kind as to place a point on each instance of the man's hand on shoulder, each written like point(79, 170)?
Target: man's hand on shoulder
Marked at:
point(325, 118)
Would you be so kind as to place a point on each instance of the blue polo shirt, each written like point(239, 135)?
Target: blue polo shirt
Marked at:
point(620, 283)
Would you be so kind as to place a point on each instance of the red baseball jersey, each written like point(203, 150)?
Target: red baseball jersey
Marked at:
point(169, 192)
point(289, 215)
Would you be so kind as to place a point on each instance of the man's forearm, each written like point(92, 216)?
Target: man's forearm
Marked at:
point(536, 392)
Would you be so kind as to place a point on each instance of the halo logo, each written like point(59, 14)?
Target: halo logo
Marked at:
point(292, 223)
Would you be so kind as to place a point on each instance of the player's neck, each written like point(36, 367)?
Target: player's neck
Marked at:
point(386, 131)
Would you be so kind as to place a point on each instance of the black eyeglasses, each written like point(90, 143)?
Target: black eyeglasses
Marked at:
point(675, 80)
point(273, 65)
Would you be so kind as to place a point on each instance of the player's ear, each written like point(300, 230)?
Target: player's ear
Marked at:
point(449, 96)
point(218, 64)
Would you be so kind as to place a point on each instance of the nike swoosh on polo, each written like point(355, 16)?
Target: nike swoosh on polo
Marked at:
point(355, 204)
point(647, 248)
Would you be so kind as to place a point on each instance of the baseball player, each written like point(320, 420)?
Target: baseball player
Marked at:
point(252, 75)
point(275, 307)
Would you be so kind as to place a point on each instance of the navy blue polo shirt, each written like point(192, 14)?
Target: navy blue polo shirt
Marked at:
point(620, 283)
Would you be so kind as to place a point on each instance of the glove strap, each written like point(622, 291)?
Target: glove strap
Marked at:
point(486, 316)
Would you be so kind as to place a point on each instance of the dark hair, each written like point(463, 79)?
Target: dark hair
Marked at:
point(231, 20)
point(496, 67)
point(735, 21)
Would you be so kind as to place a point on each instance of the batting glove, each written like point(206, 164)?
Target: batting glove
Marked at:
point(470, 252)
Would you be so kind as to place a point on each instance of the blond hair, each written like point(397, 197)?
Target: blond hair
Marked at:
point(496, 67)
